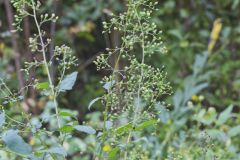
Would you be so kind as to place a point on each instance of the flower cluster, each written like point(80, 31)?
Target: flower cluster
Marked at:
point(133, 91)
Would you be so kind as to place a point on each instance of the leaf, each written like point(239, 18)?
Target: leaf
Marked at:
point(177, 99)
point(2, 119)
point(56, 150)
point(68, 82)
point(146, 124)
point(85, 129)
point(176, 33)
point(225, 115)
point(66, 114)
point(124, 128)
point(109, 125)
point(42, 85)
point(234, 131)
point(112, 154)
point(66, 129)
point(108, 85)
point(15, 143)
point(93, 101)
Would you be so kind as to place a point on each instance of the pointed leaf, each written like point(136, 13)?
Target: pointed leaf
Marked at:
point(68, 82)
point(85, 129)
point(93, 101)
point(15, 143)
point(113, 153)
point(234, 131)
point(225, 115)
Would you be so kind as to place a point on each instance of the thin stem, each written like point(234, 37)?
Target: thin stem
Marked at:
point(46, 64)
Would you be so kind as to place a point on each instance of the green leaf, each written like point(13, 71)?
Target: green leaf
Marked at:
point(68, 82)
point(42, 85)
point(146, 124)
point(93, 101)
point(66, 129)
point(2, 119)
point(56, 150)
point(113, 153)
point(234, 131)
point(225, 115)
point(66, 114)
point(15, 143)
point(85, 129)
point(124, 128)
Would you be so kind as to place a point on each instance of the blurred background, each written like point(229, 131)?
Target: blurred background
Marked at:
point(203, 66)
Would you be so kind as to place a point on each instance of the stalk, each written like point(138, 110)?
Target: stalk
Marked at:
point(46, 66)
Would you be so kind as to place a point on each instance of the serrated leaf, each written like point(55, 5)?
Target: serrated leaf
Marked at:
point(93, 101)
point(85, 129)
point(42, 85)
point(146, 124)
point(2, 119)
point(56, 150)
point(15, 143)
point(68, 82)
point(113, 153)
point(225, 115)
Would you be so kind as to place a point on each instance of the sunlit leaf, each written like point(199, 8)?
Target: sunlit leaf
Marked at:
point(66, 114)
point(66, 129)
point(42, 85)
point(146, 124)
point(113, 153)
point(124, 128)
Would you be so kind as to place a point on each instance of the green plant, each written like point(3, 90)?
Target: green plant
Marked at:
point(48, 88)
point(132, 91)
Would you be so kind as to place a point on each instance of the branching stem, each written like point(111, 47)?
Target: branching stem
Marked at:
point(46, 64)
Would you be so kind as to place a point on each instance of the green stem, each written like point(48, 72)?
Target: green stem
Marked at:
point(46, 64)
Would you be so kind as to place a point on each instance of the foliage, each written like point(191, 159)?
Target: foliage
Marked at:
point(134, 114)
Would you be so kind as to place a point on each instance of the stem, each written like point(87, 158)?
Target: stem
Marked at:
point(46, 64)
point(141, 78)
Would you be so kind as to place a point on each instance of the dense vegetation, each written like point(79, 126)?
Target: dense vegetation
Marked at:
point(111, 79)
